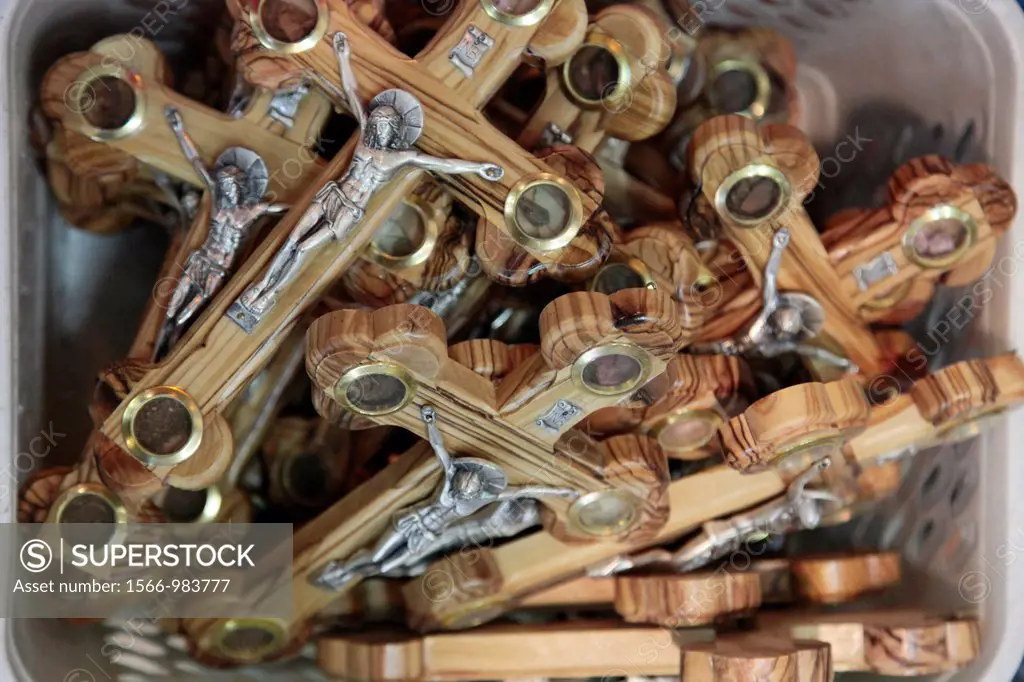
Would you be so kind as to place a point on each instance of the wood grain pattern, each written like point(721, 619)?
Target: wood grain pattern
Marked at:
point(756, 656)
point(455, 127)
point(795, 426)
point(686, 600)
point(559, 650)
point(153, 142)
point(833, 579)
point(903, 643)
point(725, 145)
point(858, 238)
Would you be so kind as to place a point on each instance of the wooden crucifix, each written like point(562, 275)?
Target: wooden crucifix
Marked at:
point(218, 357)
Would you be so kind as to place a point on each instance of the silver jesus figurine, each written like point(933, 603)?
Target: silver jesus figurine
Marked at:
point(237, 181)
point(388, 128)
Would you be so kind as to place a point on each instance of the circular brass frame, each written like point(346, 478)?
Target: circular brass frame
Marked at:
point(793, 456)
point(634, 264)
point(211, 507)
point(763, 84)
point(323, 15)
point(276, 628)
point(714, 418)
point(623, 525)
point(154, 458)
point(134, 122)
point(549, 243)
point(431, 230)
point(622, 85)
point(94, 489)
point(530, 18)
point(941, 212)
point(757, 170)
point(627, 349)
point(360, 371)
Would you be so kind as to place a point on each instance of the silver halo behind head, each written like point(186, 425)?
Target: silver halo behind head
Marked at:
point(250, 163)
point(812, 315)
point(409, 109)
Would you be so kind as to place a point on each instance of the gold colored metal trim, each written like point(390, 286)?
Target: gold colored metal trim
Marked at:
point(268, 41)
point(763, 86)
point(134, 122)
point(374, 368)
point(572, 226)
point(711, 417)
point(634, 264)
point(604, 42)
point(627, 349)
point(530, 18)
point(157, 393)
point(431, 230)
point(277, 630)
point(794, 456)
point(621, 525)
point(60, 505)
point(757, 170)
point(941, 212)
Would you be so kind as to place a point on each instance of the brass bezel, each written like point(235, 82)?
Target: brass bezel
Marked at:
point(431, 230)
point(276, 628)
point(211, 507)
point(756, 170)
point(134, 121)
point(793, 455)
point(575, 218)
point(386, 368)
point(530, 18)
point(577, 509)
point(711, 416)
point(138, 402)
point(634, 264)
point(757, 109)
point(94, 489)
point(640, 355)
point(604, 42)
point(941, 212)
point(268, 41)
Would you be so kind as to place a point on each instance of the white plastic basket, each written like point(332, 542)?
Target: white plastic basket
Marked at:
point(954, 64)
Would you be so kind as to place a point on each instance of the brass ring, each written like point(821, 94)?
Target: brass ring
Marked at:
point(713, 418)
point(794, 456)
point(604, 42)
point(528, 19)
point(757, 170)
point(431, 229)
point(131, 411)
point(211, 505)
point(762, 83)
point(941, 212)
point(374, 368)
point(572, 225)
point(641, 356)
point(134, 122)
point(617, 526)
point(108, 496)
point(637, 266)
point(276, 628)
point(268, 41)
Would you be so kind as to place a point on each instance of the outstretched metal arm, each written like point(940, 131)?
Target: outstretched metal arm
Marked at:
point(770, 286)
point(348, 79)
point(188, 147)
point(536, 491)
point(429, 417)
point(488, 171)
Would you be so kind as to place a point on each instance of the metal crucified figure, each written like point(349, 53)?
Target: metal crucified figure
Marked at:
point(237, 182)
point(388, 128)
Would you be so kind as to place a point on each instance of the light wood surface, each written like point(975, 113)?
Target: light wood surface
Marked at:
point(726, 145)
point(688, 599)
point(292, 165)
point(556, 650)
point(834, 579)
point(902, 643)
point(756, 656)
